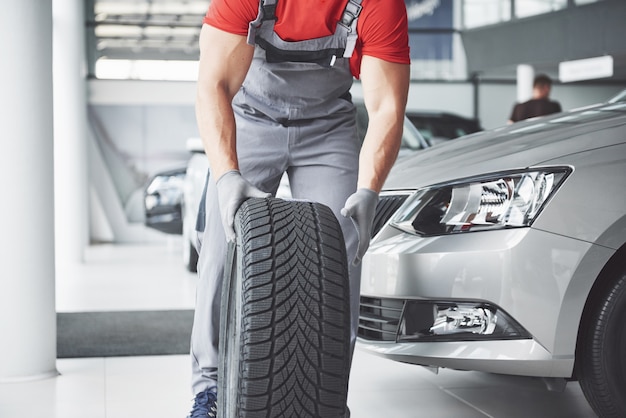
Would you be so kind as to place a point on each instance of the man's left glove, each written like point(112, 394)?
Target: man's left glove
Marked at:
point(232, 191)
point(361, 208)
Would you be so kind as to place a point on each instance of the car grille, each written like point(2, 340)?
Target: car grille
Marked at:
point(379, 318)
point(388, 204)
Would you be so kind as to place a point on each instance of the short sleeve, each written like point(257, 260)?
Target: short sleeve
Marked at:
point(383, 33)
point(232, 16)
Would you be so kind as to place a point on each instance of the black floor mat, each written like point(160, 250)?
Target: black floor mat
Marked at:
point(128, 333)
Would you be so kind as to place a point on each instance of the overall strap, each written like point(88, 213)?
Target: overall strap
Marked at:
point(346, 27)
point(267, 11)
point(348, 20)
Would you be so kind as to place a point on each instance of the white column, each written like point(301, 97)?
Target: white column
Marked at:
point(70, 132)
point(27, 267)
point(525, 77)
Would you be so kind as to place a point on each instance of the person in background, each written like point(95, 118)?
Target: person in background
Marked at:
point(274, 96)
point(540, 104)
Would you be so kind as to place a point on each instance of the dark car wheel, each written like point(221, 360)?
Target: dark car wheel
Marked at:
point(601, 361)
point(190, 256)
point(285, 322)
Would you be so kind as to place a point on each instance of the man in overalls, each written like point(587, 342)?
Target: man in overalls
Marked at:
point(273, 97)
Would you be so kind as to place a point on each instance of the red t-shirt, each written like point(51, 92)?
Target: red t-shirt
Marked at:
point(382, 25)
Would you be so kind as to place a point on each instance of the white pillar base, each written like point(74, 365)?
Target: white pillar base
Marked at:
point(525, 77)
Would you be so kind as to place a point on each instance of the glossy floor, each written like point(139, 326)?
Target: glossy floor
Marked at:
point(152, 277)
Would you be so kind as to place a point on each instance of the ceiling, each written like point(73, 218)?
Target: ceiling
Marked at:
point(145, 29)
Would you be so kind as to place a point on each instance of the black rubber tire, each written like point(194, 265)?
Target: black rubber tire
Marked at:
point(601, 360)
point(285, 319)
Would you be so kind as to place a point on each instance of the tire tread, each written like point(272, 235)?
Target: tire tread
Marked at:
point(295, 316)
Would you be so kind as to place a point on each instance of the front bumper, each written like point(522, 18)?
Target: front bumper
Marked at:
point(525, 273)
point(516, 357)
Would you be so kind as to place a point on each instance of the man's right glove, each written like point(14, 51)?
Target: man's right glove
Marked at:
point(232, 191)
point(361, 208)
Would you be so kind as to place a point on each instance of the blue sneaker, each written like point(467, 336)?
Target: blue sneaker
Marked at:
point(205, 404)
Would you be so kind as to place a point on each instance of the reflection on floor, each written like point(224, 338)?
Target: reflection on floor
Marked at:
point(152, 277)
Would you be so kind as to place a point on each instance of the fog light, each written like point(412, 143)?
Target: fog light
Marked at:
point(438, 321)
point(151, 201)
point(463, 318)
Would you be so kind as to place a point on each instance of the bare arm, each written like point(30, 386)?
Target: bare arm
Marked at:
point(385, 91)
point(224, 62)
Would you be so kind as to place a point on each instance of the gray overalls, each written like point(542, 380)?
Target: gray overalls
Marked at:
point(293, 114)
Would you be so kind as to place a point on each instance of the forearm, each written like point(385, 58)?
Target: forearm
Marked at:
point(380, 150)
point(385, 90)
point(216, 125)
point(224, 62)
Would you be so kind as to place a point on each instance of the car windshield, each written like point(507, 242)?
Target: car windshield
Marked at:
point(619, 98)
point(411, 137)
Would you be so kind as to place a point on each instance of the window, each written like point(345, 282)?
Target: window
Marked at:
point(120, 69)
point(485, 12)
point(525, 8)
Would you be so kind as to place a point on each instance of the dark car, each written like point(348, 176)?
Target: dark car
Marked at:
point(441, 126)
point(163, 198)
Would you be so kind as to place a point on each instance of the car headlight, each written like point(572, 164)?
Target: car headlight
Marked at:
point(164, 190)
point(495, 201)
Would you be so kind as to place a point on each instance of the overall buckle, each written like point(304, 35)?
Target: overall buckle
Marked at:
point(351, 12)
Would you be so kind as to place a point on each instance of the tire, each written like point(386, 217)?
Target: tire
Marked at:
point(601, 361)
point(285, 318)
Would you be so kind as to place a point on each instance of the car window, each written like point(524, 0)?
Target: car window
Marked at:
point(619, 97)
point(412, 138)
point(437, 128)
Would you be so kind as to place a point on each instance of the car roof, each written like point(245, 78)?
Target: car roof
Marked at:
point(520, 145)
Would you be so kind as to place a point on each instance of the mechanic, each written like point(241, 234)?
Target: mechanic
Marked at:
point(274, 96)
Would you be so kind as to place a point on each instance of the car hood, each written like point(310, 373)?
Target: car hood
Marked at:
point(524, 144)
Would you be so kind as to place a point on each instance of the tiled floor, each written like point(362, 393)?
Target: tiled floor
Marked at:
point(152, 277)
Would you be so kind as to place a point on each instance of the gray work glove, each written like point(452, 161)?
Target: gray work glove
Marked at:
point(361, 208)
point(232, 191)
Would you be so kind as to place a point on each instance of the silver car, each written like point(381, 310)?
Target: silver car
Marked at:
point(506, 253)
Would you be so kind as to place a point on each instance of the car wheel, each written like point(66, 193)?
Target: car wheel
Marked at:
point(601, 362)
point(285, 315)
point(190, 256)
